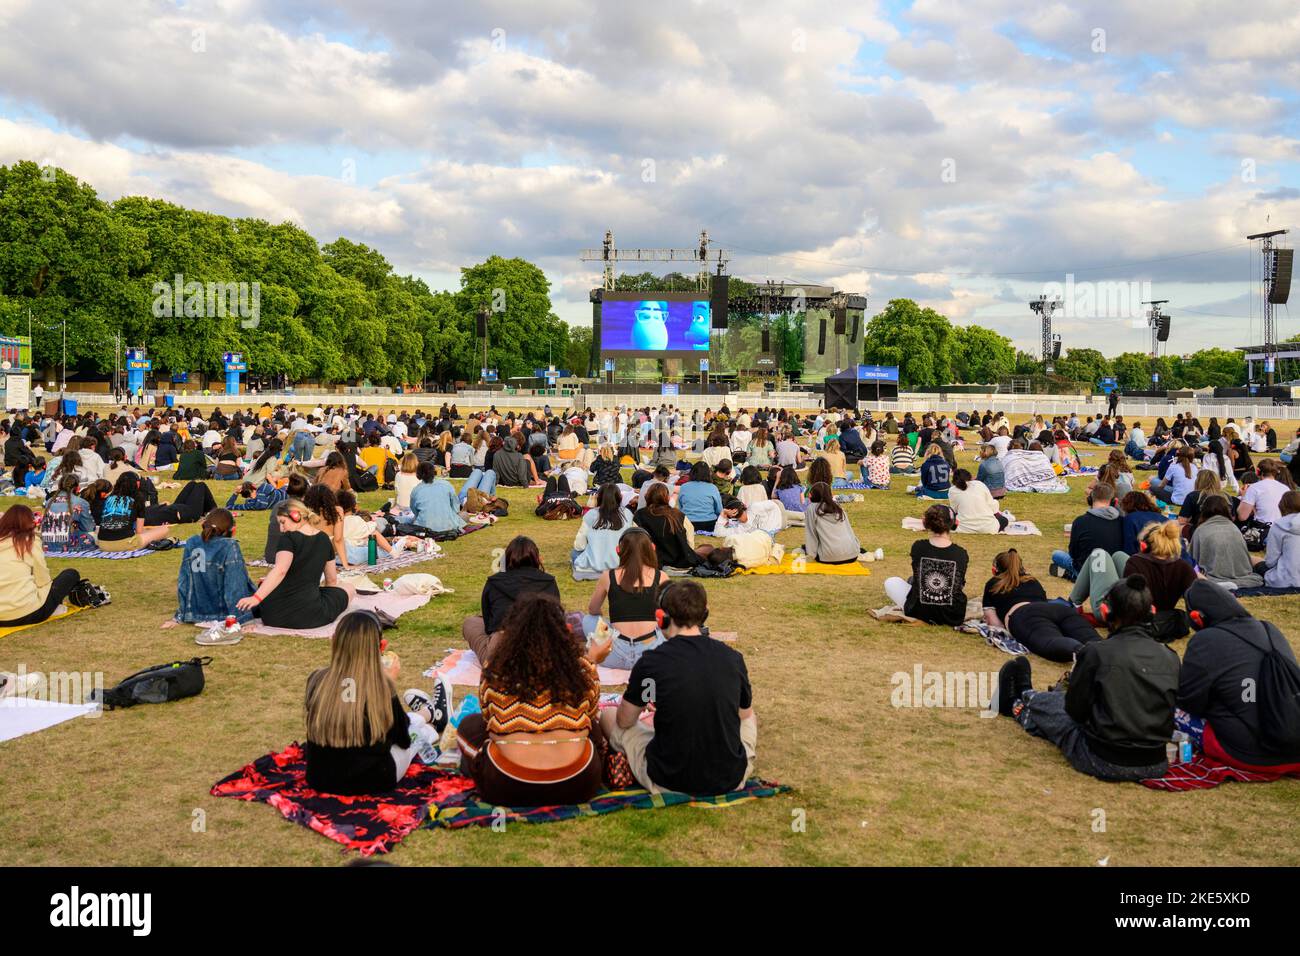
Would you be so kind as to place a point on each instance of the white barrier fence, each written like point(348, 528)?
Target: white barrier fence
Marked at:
point(1019, 405)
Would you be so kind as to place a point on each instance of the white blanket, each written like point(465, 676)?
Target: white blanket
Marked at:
point(19, 716)
point(1031, 471)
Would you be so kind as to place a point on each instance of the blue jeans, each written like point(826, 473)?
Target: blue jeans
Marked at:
point(1063, 561)
point(1161, 492)
point(303, 447)
point(623, 654)
point(1095, 441)
point(1134, 451)
point(484, 481)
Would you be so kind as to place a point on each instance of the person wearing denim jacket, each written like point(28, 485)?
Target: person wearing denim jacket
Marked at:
point(212, 573)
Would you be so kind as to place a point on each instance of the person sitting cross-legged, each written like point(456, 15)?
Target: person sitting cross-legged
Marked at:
point(1224, 656)
point(539, 688)
point(1117, 714)
point(705, 734)
point(360, 738)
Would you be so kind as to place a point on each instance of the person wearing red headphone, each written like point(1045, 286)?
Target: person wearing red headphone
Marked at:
point(705, 733)
point(1117, 714)
point(1227, 655)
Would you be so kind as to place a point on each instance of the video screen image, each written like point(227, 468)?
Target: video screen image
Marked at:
point(655, 325)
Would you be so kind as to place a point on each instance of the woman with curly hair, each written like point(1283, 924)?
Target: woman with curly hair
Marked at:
point(538, 740)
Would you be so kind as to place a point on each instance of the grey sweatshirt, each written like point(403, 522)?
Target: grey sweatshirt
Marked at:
point(1283, 553)
point(828, 539)
point(1220, 550)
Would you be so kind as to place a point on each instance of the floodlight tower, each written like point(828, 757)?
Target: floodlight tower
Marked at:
point(1044, 307)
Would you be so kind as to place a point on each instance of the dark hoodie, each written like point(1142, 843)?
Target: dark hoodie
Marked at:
point(1122, 692)
point(1102, 527)
point(1219, 662)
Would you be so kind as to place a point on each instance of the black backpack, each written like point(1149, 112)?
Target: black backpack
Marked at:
point(157, 685)
point(1277, 694)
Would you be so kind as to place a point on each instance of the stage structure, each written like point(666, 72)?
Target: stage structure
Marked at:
point(690, 337)
point(1159, 324)
point(1044, 307)
point(1276, 280)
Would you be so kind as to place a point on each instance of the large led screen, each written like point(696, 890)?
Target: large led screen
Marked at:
point(655, 324)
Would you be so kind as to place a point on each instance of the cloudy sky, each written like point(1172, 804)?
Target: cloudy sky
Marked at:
point(965, 154)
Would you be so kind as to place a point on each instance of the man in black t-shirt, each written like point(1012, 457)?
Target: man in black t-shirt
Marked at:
point(705, 733)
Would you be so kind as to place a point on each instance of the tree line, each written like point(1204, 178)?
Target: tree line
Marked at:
point(332, 313)
point(930, 351)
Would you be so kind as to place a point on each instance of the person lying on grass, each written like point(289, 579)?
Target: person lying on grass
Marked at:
point(360, 738)
point(1015, 600)
point(291, 594)
point(705, 734)
point(1117, 714)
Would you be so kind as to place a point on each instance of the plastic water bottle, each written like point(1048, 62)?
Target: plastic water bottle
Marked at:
point(428, 749)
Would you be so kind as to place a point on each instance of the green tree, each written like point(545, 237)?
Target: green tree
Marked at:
point(577, 355)
point(981, 355)
point(523, 332)
point(1087, 366)
point(1218, 368)
point(917, 340)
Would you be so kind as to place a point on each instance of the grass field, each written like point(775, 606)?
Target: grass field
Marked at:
point(873, 784)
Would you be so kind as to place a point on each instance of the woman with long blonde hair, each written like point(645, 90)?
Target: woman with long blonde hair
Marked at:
point(360, 739)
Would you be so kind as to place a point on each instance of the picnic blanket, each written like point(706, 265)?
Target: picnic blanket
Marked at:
point(841, 483)
point(107, 555)
point(430, 796)
point(465, 810)
point(25, 715)
point(393, 604)
point(1205, 773)
point(60, 613)
point(461, 667)
point(1015, 527)
point(804, 566)
point(403, 559)
point(1264, 592)
point(1031, 471)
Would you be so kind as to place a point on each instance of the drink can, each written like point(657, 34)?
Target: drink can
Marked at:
point(388, 584)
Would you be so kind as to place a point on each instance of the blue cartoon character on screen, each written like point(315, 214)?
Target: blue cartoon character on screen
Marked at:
point(650, 330)
point(697, 336)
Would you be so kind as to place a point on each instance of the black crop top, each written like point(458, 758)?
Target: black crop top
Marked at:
point(633, 605)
